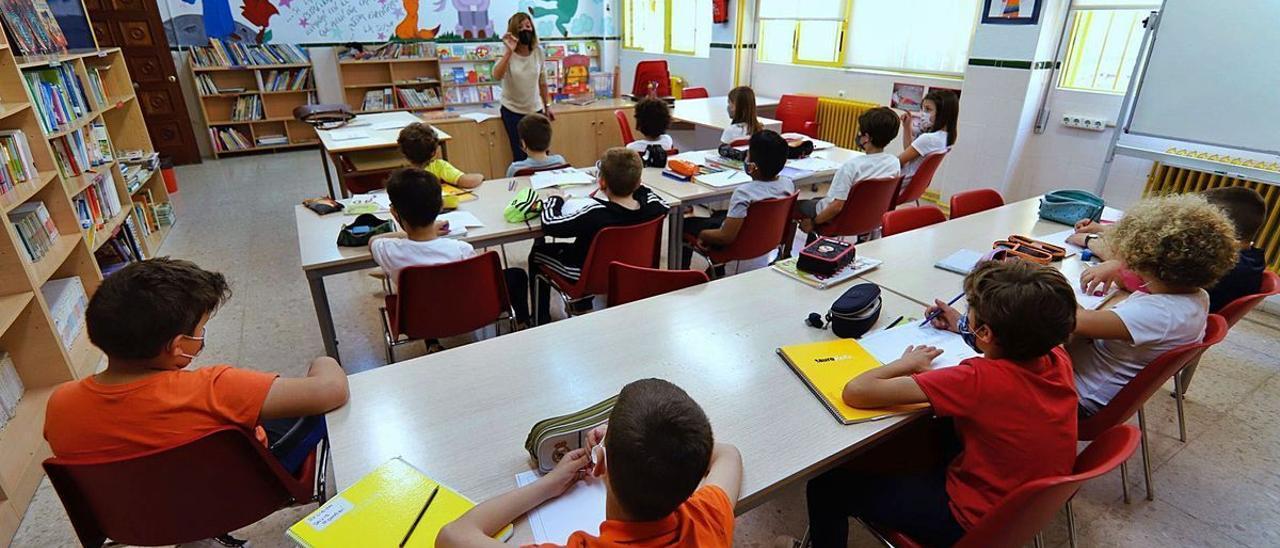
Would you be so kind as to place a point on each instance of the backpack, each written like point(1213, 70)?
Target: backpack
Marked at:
point(654, 156)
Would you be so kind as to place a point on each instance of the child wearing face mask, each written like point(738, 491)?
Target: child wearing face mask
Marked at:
point(1014, 410)
point(876, 128)
point(149, 318)
point(935, 127)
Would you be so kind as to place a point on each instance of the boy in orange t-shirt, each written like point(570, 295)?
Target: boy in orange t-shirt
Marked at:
point(668, 482)
point(149, 318)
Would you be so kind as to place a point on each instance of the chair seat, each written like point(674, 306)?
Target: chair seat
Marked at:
point(562, 284)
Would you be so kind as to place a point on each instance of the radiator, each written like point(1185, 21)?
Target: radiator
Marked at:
point(1175, 180)
point(839, 120)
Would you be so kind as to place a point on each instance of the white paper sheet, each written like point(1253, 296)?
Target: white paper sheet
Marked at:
point(478, 116)
point(1060, 239)
point(888, 345)
point(560, 177)
point(728, 177)
point(465, 219)
point(347, 134)
point(814, 164)
point(795, 174)
point(960, 262)
point(581, 508)
point(393, 124)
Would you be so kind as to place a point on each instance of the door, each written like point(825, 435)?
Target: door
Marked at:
point(134, 26)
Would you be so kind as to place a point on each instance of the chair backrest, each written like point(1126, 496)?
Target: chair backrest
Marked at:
point(1015, 520)
point(1235, 310)
point(628, 283)
point(654, 71)
point(974, 201)
point(637, 245)
point(911, 218)
point(864, 208)
point(624, 126)
point(527, 171)
point(215, 484)
point(449, 299)
point(761, 230)
point(921, 179)
point(694, 93)
point(1129, 399)
point(795, 110)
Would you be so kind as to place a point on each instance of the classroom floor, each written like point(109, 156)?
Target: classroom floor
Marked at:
point(1219, 488)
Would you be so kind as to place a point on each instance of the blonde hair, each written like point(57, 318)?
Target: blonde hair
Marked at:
point(1180, 240)
point(621, 168)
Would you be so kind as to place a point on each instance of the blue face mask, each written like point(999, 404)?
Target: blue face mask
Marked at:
point(970, 338)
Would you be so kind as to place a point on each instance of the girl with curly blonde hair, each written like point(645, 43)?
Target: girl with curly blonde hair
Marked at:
point(1178, 245)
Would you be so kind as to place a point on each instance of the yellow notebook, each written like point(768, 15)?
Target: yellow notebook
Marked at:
point(380, 508)
point(825, 367)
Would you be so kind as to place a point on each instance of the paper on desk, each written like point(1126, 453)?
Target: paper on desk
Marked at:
point(961, 262)
point(794, 174)
point(464, 219)
point(814, 164)
point(1060, 239)
point(392, 124)
point(560, 177)
point(1088, 301)
point(478, 116)
point(728, 177)
point(581, 508)
point(888, 345)
point(347, 134)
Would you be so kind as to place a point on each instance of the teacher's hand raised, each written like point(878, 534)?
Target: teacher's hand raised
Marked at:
point(510, 41)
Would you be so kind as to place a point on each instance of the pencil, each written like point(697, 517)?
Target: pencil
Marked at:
point(937, 313)
point(418, 519)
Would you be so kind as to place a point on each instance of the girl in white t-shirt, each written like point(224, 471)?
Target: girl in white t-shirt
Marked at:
point(742, 115)
point(940, 110)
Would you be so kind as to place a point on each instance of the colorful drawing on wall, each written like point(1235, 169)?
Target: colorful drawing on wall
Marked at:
point(473, 18)
point(32, 26)
point(564, 11)
point(408, 28)
point(907, 96)
point(1011, 12)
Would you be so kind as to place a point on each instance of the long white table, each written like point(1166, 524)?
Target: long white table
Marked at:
point(377, 132)
point(711, 112)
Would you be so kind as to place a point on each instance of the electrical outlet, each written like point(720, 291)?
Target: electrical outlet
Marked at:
point(1084, 122)
point(840, 93)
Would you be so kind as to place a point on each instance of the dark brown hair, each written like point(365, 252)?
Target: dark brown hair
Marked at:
point(880, 124)
point(139, 309)
point(946, 112)
point(621, 169)
point(653, 117)
point(535, 132)
point(1029, 308)
point(418, 143)
point(743, 100)
point(1244, 207)
point(416, 196)
point(658, 448)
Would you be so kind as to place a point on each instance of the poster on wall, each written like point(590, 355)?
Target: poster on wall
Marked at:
point(1011, 12)
point(906, 96)
point(193, 22)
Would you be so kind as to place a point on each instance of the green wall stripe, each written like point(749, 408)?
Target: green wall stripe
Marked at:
point(1012, 64)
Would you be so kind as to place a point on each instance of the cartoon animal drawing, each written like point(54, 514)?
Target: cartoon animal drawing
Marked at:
point(473, 18)
point(564, 12)
point(259, 13)
point(408, 27)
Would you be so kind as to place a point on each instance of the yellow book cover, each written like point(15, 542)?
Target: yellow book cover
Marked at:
point(826, 366)
point(380, 508)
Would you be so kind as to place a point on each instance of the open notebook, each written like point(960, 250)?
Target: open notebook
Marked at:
point(581, 508)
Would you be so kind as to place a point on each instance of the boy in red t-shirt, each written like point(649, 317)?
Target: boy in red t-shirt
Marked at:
point(1014, 409)
point(668, 482)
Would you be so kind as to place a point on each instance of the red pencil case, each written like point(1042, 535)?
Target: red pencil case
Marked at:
point(825, 256)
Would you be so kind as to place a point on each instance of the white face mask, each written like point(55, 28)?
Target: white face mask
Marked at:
point(926, 118)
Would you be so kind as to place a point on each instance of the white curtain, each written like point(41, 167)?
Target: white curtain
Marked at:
point(912, 35)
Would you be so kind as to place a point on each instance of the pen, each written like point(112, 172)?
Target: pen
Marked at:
point(930, 317)
point(895, 322)
point(420, 514)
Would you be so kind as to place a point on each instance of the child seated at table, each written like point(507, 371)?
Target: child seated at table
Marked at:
point(653, 119)
point(535, 140)
point(876, 128)
point(766, 156)
point(419, 144)
point(1177, 245)
point(742, 116)
point(149, 318)
point(668, 482)
point(620, 199)
point(1014, 411)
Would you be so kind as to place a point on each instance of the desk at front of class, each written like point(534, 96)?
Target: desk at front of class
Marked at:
point(375, 151)
point(462, 415)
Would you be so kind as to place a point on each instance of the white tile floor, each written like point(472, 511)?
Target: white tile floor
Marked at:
point(1220, 488)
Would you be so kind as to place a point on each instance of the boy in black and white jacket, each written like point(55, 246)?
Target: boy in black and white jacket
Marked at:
point(619, 201)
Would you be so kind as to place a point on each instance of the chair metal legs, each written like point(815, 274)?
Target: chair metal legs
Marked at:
point(1124, 480)
point(1146, 453)
point(1179, 389)
point(1071, 524)
point(1039, 540)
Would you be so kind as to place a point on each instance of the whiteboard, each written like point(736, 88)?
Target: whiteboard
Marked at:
point(1213, 76)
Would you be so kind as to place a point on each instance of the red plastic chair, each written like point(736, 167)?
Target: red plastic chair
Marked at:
point(974, 201)
point(762, 231)
point(1131, 398)
point(911, 218)
point(210, 486)
point(1022, 514)
point(694, 93)
point(799, 114)
point(624, 126)
point(527, 171)
point(446, 300)
point(651, 72)
point(864, 208)
point(920, 180)
point(629, 283)
point(638, 245)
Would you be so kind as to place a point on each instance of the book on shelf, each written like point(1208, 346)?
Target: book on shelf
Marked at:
point(118, 251)
point(272, 140)
point(390, 50)
point(227, 139)
point(67, 303)
point(285, 80)
point(145, 216)
point(137, 167)
point(35, 228)
point(74, 154)
point(98, 204)
point(101, 141)
point(227, 53)
point(247, 107)
point(130, 235)
point(59, 96)
point(164, 213)
point(418, 98)
point(206, 85)
point(378, 99)
point(96, 85)
point(11, 388)
point(33, 27)
point(18, 165)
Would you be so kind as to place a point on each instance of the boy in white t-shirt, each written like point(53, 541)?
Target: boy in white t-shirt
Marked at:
point(653, 119)
point(1178, 245)
point(876, 129)
point(940, 110)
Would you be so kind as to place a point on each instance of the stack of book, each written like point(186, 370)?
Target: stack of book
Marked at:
point(59, 97)
point(137, 168)
point(228, 139)
point(16, 165)
point(418, 98)
point(119, 250)
point(286, 80)
point(35, 228)
point(378, 99)
point(11, 388)
point(247, 107)
point(77, 152)
point(145, 212)
point(164, 213)
point(393, 50)
point(98, 204)
point(272, 139)
point(67, 302)
point(224, 53)
point(96, 85)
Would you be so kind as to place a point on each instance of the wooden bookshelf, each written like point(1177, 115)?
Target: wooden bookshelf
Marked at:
point(276, 116)
point(27, 331)
point(359, 76)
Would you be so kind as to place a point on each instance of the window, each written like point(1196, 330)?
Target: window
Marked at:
point(907, 35)
point(1102, 49)
point(667, 26)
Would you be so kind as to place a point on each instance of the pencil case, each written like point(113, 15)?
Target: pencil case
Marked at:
point(1057, 253)
point(1069, 206)
point(825, 256)
point(683, 167)
point(853, 314)
point(550, 439)
point(1024, 252)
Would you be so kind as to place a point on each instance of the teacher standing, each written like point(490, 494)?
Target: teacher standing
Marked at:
point(524, 85)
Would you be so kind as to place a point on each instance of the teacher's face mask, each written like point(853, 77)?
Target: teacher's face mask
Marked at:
point(525, 37)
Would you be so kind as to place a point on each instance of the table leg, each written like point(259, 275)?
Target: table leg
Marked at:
point(444, 149)
point(675, 233)
point(320, 299)
point(324, 164)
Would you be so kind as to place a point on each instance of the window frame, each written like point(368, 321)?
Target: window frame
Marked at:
point(1069, 66)
point(628, 37)
point(666, 41)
